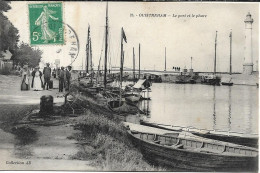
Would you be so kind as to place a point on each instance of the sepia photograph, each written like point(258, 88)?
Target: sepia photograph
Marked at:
point(129, 86)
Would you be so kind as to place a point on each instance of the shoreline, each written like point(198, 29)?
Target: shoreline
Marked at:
point(97, 137)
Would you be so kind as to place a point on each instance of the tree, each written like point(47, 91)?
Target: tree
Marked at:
point(4, 6)
point(25, 54)
point(9, 36)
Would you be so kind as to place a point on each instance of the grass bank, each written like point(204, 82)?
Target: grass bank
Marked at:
point(12, 113)
point(105, 142)
point(104, 138)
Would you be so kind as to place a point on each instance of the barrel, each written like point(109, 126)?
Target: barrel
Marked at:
point(46, 105)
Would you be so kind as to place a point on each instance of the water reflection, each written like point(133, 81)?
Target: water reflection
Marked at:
point(248, 111)
point(228, 108)
point(144, 106)
point(214, 107)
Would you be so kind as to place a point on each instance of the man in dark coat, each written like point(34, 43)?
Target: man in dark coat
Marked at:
point(47, 75)
point(61, 79)
point(68, 78)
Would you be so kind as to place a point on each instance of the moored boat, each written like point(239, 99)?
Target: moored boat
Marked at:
point(181, 82)
point(122, 107)
point(247, 140)
point(227, 83)
point(194, 154)
point(132, 97)
point(211, 80)
point(233, 137)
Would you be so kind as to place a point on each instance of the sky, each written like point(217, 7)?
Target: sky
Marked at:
point(183, 37)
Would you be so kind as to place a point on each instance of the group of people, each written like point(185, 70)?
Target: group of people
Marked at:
point(37, 83)
point(42, 80)
point(64, 76)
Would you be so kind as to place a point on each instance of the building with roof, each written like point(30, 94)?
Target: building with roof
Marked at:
point(5, 60)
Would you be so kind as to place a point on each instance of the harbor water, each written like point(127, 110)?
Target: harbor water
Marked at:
point(225, 108)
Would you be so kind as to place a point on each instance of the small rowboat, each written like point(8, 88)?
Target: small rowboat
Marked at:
point(233, 137)
point(189, 153)
point(122, 107)
point(132, 97)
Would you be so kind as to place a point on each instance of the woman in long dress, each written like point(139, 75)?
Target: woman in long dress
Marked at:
point(25, 85)
point(37, 79)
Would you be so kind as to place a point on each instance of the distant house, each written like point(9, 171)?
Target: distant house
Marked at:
point(5, 60)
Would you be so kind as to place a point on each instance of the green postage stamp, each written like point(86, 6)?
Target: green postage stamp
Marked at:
point(46, 23)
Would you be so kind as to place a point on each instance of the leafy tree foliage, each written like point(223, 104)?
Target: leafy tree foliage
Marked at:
point(8, 33)
point(9, 37)
point(4, 6)
point(25, 54)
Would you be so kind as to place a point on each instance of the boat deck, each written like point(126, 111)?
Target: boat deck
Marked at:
point(188, 141)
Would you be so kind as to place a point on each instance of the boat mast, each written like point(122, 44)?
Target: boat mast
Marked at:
point(215, 61)
point(82, 64)
point(121, 66)
point(191, 62)
point(134, 64)
point(87, 50)
point(230, 67)
point(165, 60)
point(98, 71)
point(139, 61)
point(106, 37)
point(91, 61)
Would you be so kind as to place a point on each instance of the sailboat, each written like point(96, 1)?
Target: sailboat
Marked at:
point(212, 79)
point(229, 83)
point(118, 105)
point(90, 85)
point(132, 95)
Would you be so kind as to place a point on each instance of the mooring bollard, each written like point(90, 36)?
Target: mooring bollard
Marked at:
point(46, 105)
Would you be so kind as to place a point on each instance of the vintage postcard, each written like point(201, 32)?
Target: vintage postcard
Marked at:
point(129, 86)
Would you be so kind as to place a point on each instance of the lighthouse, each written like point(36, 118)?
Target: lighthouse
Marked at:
point(248, 56)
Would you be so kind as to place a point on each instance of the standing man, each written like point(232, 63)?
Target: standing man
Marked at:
point(68, 77)
point(47, 75)
point(61, 79)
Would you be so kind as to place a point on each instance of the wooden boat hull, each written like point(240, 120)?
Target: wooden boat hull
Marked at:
point(190, 160)
point(241, 140)
point(192, 81)
point(122, 108)
point(227, 83)
point(145, 98)
point(115, 105)
point(247, 141)
point(157, 126)
point(132, 97)
point(181, 82)
point(216, 81)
